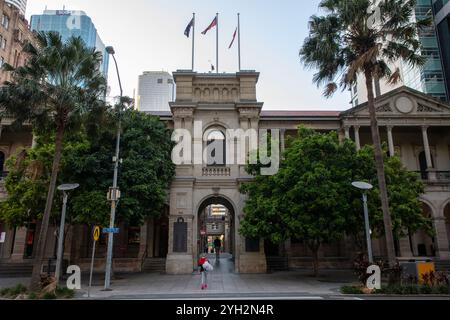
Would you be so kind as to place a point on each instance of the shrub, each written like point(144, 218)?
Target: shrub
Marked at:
point(425, 289)
point(63, 292)
point(351, 290)
point(32, 296)
point(442, 289)
point(18, 289)
point(4, 292)
point(49, 296)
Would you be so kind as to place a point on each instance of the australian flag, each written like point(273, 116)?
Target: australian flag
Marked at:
point(189, 27)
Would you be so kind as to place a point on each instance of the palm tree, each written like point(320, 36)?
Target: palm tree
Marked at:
point(59, 84)
point(355, 37)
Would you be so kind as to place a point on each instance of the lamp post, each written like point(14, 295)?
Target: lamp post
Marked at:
point(364, 187)
point(64, 188)
point(114, 193)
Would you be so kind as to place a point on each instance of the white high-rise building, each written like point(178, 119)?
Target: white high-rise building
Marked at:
point(155, 90)
point(20, 4)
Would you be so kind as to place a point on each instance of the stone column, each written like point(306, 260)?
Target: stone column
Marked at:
point(405, 247)
point(282, 141)
point(143, 249)
point(347, 132)
point(151, 238)
point(442, 245)
point(19, 245)
point(357, 140)
point(390, 141)
point(33, 142)
point(426, 147)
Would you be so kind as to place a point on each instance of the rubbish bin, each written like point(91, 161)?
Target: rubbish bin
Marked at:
point(417, 269)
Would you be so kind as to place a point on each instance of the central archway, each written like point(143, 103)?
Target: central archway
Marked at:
point(216, 220)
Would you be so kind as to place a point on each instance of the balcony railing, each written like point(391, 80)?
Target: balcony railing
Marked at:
point(216, 172)
point(435, 175)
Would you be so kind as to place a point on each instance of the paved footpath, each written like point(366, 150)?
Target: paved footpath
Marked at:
point(222, 284)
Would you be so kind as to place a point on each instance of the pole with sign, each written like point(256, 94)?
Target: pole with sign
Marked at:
point(95, 236)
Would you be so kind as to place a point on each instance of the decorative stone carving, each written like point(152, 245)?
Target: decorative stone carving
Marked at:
point(426, 109)
point(404, 105)
point(384, 108)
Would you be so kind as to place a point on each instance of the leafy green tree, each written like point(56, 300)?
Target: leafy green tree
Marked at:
point(60, 82)
point(307, 199)
point(356, 37)
point(311, 197)
point(404, 189)
point(144, 176)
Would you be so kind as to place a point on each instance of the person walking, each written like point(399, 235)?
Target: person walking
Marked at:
point(204, 267)
point(217, 245)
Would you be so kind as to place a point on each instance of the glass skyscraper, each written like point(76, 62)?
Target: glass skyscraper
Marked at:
point(430, 77)
point(72, 23)
point(441, 10)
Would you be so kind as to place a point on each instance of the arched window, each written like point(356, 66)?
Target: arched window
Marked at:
point(215, 148)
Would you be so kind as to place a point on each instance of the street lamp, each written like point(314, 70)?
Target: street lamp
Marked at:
point(65, 188)
point(114, 192)
point(364, 186)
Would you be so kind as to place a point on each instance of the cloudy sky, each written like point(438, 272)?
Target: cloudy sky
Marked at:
point(148, 35)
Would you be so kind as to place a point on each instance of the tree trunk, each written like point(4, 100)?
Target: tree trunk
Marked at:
point(41, 244)
point(379, 163)
point(316, 262)
point(314, 247)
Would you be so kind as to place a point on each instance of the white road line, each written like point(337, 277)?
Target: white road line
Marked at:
point(251, 298)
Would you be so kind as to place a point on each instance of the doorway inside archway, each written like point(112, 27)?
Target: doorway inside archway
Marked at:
point(216, 235)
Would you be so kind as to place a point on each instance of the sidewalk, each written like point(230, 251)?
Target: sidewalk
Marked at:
point(222, 282)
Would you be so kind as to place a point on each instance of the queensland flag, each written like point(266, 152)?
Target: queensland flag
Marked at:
point(212, 25)
point(189, 27)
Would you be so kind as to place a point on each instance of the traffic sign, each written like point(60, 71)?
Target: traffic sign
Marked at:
point(96, 233)
point(110, 230)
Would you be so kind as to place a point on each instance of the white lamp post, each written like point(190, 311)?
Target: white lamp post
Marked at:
point(364, 187)
point(64, 188)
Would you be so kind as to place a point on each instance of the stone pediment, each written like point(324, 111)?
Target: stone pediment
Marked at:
point(403, 102)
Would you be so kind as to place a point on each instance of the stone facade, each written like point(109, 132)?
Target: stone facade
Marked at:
point(14, 34)
point(413, 125)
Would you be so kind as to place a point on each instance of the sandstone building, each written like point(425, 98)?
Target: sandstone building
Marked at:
point(205, 199)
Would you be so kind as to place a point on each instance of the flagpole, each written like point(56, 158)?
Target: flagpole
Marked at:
point(217, 43)
point(239, 41)
point(193, 41)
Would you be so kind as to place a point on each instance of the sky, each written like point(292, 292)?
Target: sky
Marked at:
point(147, 35)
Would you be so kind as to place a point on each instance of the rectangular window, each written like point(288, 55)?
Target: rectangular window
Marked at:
point(160, 80)
point(2, 61)
point(3, 44)
point(5, 21)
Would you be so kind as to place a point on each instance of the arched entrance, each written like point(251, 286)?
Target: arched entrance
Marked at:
point(216, 224)
point(422, 244)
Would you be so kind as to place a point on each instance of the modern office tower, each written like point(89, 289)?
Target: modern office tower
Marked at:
point(72, 23)
point(441, 10)
point(428, 79)
point(155, 90)
point(20, 4)
point(14, 33)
